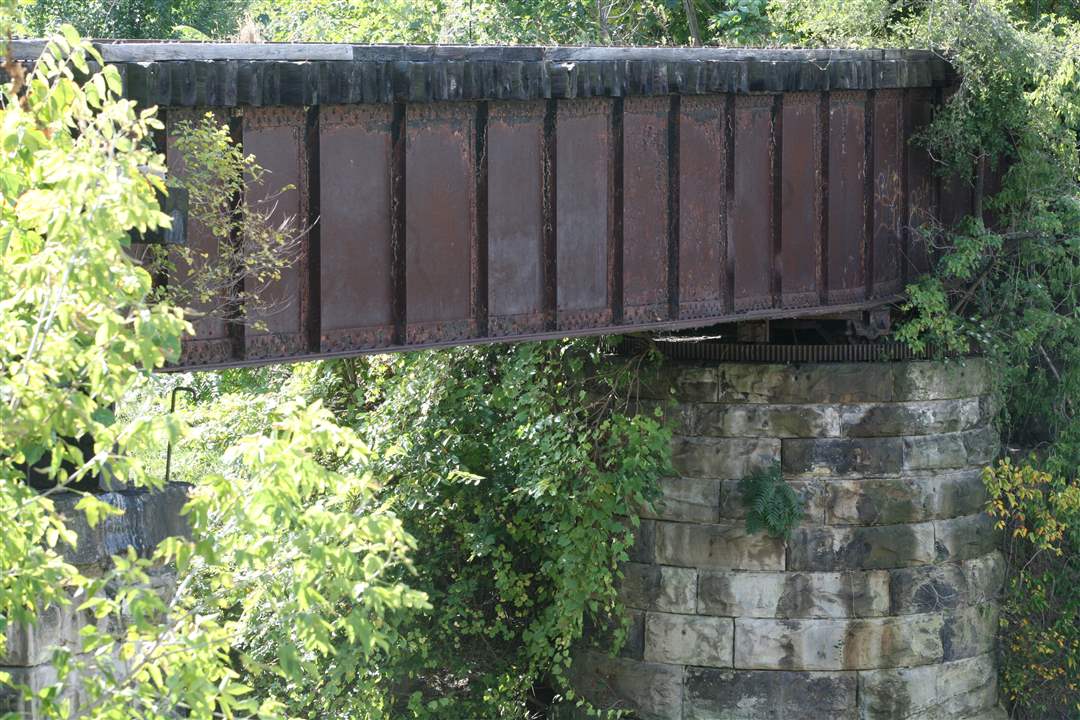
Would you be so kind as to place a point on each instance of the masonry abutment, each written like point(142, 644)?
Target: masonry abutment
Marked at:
point(882, 603)
point(148, 518)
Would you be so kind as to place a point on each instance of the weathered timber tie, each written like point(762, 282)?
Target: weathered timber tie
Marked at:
point(881, 606)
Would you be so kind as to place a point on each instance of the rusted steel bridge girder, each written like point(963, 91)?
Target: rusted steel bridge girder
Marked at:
point(472, 194)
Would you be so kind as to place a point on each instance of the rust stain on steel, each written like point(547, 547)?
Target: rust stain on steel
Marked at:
point(212, 342)
point(451, 222)
point(751, 224)
point(583, 208)
point(847, 197)
point(956, 193)
point(801, 176)
point(440, 223)
point(515, 136)
point(921, 196)
point(275, 136)
point(702, 178)
point(356, 257)
point(888, 139)
point(993, 180)
point(645, 209)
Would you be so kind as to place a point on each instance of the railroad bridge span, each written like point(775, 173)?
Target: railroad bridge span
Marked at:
point(472, 194)
point(458, 195)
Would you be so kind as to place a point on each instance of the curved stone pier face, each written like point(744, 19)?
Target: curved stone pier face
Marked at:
point(882, 603)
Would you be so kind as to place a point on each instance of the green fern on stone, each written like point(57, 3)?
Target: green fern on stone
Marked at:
point(773, 505)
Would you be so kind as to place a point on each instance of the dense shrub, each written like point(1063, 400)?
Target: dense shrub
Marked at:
point(1040, 632)
point(517, 471)
point(515, 468)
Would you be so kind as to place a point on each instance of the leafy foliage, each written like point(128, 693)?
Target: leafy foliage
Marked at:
point(1040, 671)
point(473, 21)
point(75, 331)
point(287, 520)
point(1007, 280)
point(1008, 286)
point(135, 18)
point(516, 472)
point(772, 504)
point(249, 246)
point(745, 22)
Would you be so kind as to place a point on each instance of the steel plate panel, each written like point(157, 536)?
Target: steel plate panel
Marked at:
point(956, 193)
point(515, 136)
point(440, 237)
point(212, 342)
point(583, 208)
point(751, 227)
point(921, 185)
point(847, 204)
point(440, 221)
point(800, 194)
point(993, 182)
point(956, 197)
point(888, 192)
point(645, 209)
point(355, 240)
point(275, 136)
point(702, 177)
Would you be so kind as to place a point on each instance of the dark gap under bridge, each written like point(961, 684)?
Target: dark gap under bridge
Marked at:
point(470, 194)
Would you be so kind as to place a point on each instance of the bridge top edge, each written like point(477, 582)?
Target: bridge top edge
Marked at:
point(139, 51)
point(186, 74)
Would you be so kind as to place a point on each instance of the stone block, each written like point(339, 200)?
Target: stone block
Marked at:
point(722, 458)
point(930, 380)
point(57, 627)
point(659, 587)
point(689, 639)
point(799, 384)
point(908, 499)
point(968, 687)
point(685, 382)
point(653, 691)
point(753, 382)
point(793, 594)
point(879, 501)
point(601, 633)
point(687, 500)
point(969, 631)
point(810, 492)
point(982, 445)
point(35, 679)
point(634, 644)
point(859, 644)
point(872, 547)
point(959, 493)
point(149, 517)
point(929, 588)
point(946, 586)
point(985, 577)
point(933, 452)
point(932, 691)
point(768, 695)
point(722, 546)
point(965, 537)
point(678, 416)
point(971, 448)
point(644, 548)
point(928, 417)
point(837, 457)
point(763, 420)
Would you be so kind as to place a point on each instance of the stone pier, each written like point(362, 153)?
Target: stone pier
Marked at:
point(881, 605)
point(149, 518)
